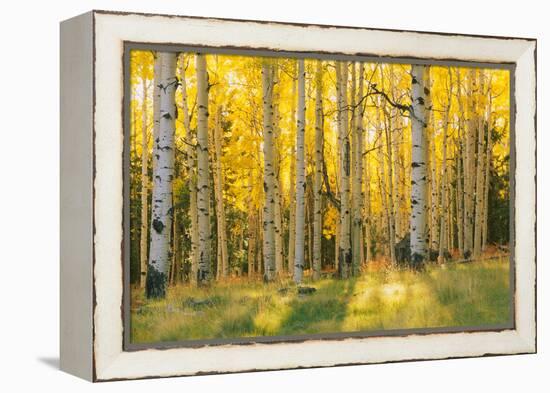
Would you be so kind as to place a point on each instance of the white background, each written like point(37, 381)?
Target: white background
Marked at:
point(29, 197)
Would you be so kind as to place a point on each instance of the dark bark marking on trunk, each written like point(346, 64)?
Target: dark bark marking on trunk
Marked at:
point(155, 283)
point(158, 226)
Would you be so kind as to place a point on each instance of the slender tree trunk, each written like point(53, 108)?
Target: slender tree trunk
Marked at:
point(388, 127)
point(218, 188)
point(156, 101)
point(252, 219)
point(452, 207)
point(318, 176)
point(260, 268)
point(159, 259)
point(144, 185)
point(309, 226)
point(344, 253)
point(292, 189)
point(357, 197)
point(291, 213)
point(336, 244)
point(269, 174)
point(430, 139)
point(480, 178)
point(175, 249)
point(190, 166)
point(443, 233)
point(391, 210)
point(459, 204)
point(418, 168)
point(382, 184)
point(300, 175)
point(203, 183)
point(469, 166)
point(488, 162)
point(460, 165)
point(279, 256)
point(367, 215)
point(396, 135)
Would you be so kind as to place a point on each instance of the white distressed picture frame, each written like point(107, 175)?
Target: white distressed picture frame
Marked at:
point(92, 140)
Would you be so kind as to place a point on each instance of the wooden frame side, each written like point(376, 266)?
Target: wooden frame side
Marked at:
point(76, 193)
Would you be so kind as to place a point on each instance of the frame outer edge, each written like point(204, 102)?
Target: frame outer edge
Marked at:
point(76, 196)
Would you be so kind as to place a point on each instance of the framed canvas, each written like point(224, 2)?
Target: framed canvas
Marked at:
point(247, 195)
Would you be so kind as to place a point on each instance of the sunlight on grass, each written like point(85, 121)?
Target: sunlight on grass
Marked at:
point(453, 295)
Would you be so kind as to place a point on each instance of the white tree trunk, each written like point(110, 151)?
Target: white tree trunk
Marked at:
point(144, 185)
point(317, 180)
point(220, 211)
point(357, 156)
point(382, 184)
point(344, 252)
point(487, 168)
point(480, 178)
point(418, 169)
point(252, 231)
point(175, 249)
point(460, 165)
point(191, 173)
point(431, 130)
point(396, 140)
point(203, 184)
point(388, 126)
point(269, 174)
point(163, 149)
point(443, 194)
point(292, 189)
point(367, 211)
point(469, 168)
point(279, 256)
point(300, 175)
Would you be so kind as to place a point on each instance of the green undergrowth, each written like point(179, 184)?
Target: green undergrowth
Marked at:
point(452, 295)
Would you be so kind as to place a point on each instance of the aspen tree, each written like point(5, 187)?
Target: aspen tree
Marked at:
point(382, 183)
point(430, 140)
point(344, 253)
point(222, 261)
point(460, 165)
point(292, 189)
point(357, 157)
point(396, 140)
point(276, 169)
point(163, 173)
point(318, 176)
point(144, 182)
point(175, 248)
point(300, 176)
point(252, 229)
point(269, 173)
point(480, 178)
point(489, 160)
point(190, 166)
point(367, 209)
point(469, 167)
point(156, 124)
point(388, 127)
point(203, 183)
point(418, 167)
point(443, 233)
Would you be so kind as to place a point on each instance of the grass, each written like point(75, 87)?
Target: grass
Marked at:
point(452, 295)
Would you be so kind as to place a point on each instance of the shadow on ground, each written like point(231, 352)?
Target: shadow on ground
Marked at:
point(52, 362)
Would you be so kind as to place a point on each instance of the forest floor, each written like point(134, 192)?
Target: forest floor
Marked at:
point(451, 295)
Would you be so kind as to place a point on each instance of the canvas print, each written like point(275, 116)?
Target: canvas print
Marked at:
point(273, 196)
